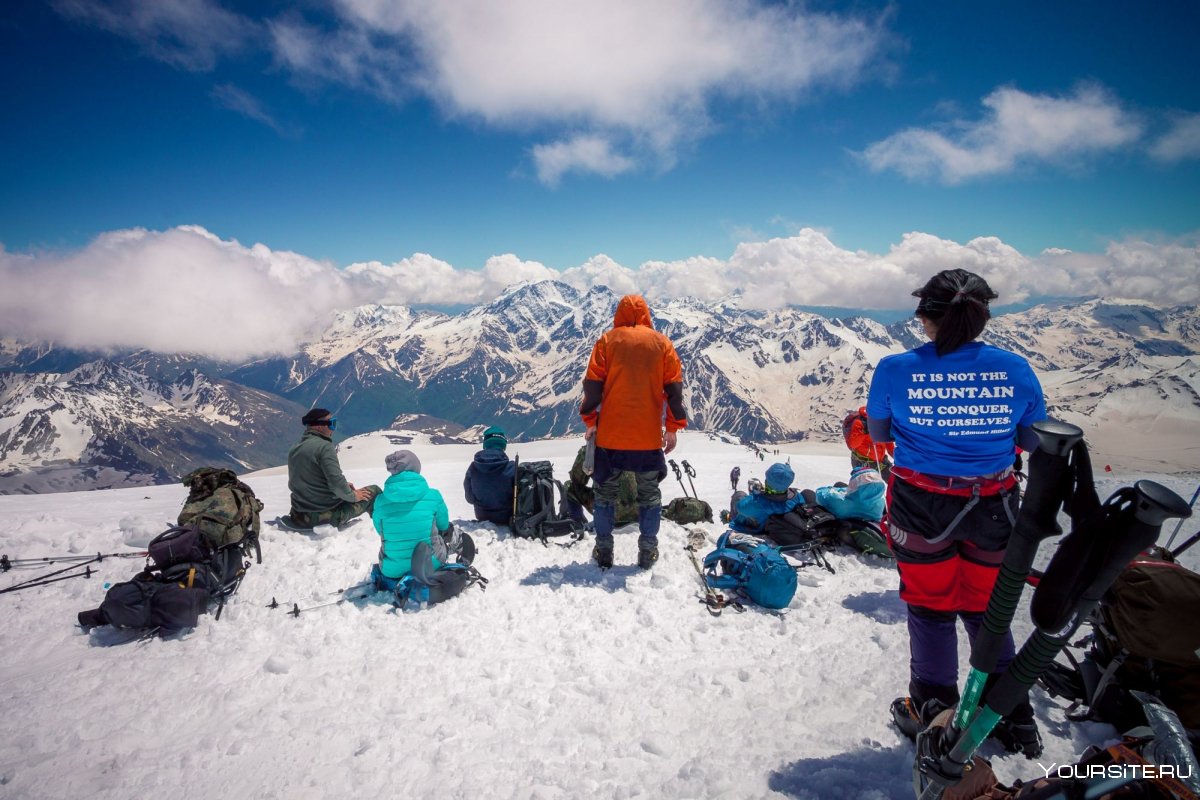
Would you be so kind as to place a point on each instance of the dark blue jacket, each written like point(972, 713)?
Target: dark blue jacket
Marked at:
point(489, 486)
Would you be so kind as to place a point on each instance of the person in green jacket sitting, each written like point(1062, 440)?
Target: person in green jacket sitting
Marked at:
point(320, 493)
point(417, 538)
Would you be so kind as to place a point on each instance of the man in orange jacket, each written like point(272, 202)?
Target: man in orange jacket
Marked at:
point(633, 374)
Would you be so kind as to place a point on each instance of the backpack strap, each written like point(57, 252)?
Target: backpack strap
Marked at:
point(432, 585)
point(534, 521)
point(551, 520)
point(564, 515)
point(732, 562)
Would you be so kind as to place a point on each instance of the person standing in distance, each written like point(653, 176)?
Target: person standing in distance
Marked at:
point(634, 375)
point(956, 409)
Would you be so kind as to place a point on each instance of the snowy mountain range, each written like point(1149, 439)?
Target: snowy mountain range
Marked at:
point(103, 424)
point(1128, 368)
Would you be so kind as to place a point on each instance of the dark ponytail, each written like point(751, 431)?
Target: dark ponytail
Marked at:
point(957, 301)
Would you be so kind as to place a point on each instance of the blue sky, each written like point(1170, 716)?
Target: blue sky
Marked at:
point(691, 132)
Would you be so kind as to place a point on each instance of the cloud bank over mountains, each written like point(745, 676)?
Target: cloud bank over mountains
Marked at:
point(188, 290)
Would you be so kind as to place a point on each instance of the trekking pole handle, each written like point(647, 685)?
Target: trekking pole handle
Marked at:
point(1056, 438)
point(1089, 560)
point(675, 469)
point(1156, 504)
point(689, 469)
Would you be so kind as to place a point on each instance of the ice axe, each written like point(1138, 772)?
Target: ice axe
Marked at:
point(678, 476)
point(691, 473)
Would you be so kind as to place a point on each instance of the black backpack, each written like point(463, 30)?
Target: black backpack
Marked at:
point(535, 514)
point(184, 575)
point(813, 523)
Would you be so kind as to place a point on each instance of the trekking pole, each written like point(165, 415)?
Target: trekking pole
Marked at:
point(295, 607)
point(296, 610)
point(1178, 551)
point(1178, 525)
point(1086, 563)
point(42, 580)
point(1052, 474)
point(7, 563)
point(678, 476)
point(516, 484)
point(691, 473)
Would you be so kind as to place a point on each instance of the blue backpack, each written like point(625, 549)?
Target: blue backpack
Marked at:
point(751, 567)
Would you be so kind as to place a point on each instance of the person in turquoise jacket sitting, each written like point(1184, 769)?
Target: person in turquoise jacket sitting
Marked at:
point(417, 538)
point(863, 498)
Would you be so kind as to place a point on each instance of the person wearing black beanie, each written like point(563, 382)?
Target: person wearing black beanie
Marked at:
point(321, 495)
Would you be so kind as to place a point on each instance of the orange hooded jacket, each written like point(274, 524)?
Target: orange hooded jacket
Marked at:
point(633, 373)
point(854, 431)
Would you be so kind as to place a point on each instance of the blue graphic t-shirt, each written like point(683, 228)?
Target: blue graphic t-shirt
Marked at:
point(957, 414)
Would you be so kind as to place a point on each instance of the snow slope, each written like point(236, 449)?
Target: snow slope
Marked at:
point(557, 681)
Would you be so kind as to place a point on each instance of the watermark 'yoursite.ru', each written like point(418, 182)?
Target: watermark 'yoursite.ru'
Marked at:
point(1131, 772)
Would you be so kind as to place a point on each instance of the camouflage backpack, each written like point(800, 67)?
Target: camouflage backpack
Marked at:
point(578, 490)
point(686, 510)
point(222, 507)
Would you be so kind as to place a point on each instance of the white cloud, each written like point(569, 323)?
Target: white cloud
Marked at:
point(352, 56)
point(579, 154)
point(600, 270)
point(641, 75)
point(643, 72)
point(1181, 141)
point(1018, 129)
point(190, 34)
point(231, 97)
point(187, 290)
point(178, 290)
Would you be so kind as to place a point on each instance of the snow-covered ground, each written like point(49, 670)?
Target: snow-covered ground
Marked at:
point(557, 681)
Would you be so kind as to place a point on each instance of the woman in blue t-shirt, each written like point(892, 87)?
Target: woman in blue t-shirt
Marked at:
point(956, 409)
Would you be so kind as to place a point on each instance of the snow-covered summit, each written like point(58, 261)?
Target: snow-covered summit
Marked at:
point(557, 681)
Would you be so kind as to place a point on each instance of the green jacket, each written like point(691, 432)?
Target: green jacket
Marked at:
point(314, 476)
point(406, 514)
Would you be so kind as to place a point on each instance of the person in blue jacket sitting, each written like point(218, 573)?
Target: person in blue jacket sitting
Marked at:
point(488, 485)
point(417, 538)
point(749, 512)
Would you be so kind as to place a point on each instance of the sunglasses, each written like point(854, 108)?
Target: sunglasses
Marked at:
point(330, 423)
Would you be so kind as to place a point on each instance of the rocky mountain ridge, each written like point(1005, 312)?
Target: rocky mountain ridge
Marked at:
point(518, 361)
